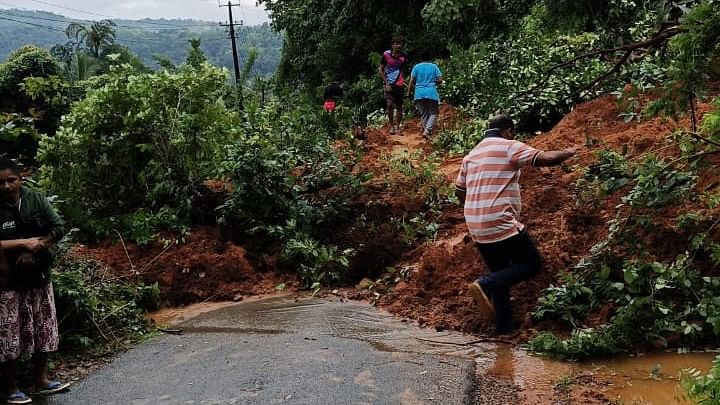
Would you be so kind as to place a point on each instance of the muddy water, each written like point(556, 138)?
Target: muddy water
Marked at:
point(649, 379)
point(173, 316)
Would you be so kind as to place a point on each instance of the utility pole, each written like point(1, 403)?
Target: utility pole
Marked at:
point(231, 24)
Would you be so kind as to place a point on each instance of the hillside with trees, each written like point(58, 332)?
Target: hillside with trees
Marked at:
point(148, 38)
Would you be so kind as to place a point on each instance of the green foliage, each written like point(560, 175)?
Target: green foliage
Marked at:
point(711, 122)
point(28, 61)
point(419, 175)
point(704, 389)
point(24, 62)
point(365, 97)
point(291, 185)
point(148, 39)
point(95, 310)
point(14, 127)
point(81, 67)
point(604, 177)
point(317, 264)
point(278, 169)
point(606, 340)
point(420, 172)
point(32, 92)
point(333, 39)
point(453, 17)
point(655, 294)
point(508, 73)
point(460, 140)
point(568, 302)
point(142, 143)
point(97, 37)
point(415, 227)
point(657, 184)
point(692, 61)
point(196, 57)
point(248, 65)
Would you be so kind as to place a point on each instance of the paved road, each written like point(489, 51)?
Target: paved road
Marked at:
point(282, 351)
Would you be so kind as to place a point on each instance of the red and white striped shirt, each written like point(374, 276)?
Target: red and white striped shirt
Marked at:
point(490, 174)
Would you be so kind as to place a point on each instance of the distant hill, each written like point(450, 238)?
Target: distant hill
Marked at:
point(147, 37)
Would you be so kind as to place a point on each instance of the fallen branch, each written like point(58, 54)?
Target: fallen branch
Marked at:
point(132, 266)
point(601, 78)
point(157, 256)
point(655, 41)
point(144, 270)
point(702, 138)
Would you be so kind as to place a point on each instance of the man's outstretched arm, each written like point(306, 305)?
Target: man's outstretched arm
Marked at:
point(553, 157)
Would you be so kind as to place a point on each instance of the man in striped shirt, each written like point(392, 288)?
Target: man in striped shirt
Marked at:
point(488, 186)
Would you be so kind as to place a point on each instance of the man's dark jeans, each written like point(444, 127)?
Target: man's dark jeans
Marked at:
point(510, 261)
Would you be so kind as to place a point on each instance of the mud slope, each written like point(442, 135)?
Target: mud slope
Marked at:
point(564, 231)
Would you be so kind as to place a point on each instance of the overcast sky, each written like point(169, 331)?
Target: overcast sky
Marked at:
point(207, 10)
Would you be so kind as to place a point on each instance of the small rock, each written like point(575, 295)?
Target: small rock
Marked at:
point(364, 284)
point(238, 297)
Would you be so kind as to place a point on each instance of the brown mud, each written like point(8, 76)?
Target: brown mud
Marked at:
point(563, 229)
point(203, 267)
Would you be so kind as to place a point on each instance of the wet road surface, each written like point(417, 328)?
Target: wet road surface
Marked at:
point(282, 351)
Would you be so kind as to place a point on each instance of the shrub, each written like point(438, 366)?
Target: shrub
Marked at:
point(291, 184)
point(134, 153)
point(704, 389)
point(94, 310)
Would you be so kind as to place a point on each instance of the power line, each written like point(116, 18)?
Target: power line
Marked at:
point(66, 20)
point(31, 18)
point(240, 5)
point(111, 17)
point(34, 25)
point(119, 40)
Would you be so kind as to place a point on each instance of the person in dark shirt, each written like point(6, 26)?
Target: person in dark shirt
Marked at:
point(28, 322)
point(333, 93)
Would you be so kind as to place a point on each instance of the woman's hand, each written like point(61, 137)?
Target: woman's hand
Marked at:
point(35, 244)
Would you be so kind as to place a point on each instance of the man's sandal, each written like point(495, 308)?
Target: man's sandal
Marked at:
point(54, 387)
point(18, 397)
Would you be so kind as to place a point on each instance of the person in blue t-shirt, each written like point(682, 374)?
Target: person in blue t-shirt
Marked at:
point(424, 78)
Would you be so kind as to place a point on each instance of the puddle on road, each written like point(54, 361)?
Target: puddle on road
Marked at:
point(175, 315)
point(534, 376)
point(628, 379)
point(651, 379)
point(172, 316)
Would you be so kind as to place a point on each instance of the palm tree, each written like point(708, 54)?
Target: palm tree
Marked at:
point(82, 66)
point(100, 34)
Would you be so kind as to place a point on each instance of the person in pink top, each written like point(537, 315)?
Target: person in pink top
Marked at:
point(488, 187)
point(391, 68)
